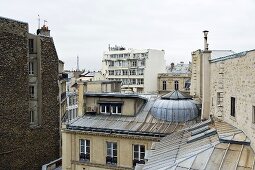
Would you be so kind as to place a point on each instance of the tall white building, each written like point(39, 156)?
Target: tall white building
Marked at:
point(137, 69)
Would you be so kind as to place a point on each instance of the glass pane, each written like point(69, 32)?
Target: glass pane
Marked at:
point(119, 109)
point(108, 145)
point(82, 149)
point(114, 152)
point(114, 145)
point(136, 147)
point(109, 153)
point(142, 156)
point(114, 109)
point(108, 109)
point(142, 148)
point(82, 141)
point(136, 155)
point(87, 142)
point(88, 149)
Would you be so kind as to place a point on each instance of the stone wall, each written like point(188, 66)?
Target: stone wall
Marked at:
point(170, 82)
point(235, 77)
point(23, 147)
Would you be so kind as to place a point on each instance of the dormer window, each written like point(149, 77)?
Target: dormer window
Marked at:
point(110, 108)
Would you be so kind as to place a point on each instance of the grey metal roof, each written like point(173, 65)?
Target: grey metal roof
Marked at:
point(175, 107)
point(220, 53)
point(143, 124)
point(230, 56)
point(176, 95)
point(112, 94)
point(207, 150)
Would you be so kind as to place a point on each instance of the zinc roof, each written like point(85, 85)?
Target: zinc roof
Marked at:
point(141, 124)
point(207, 145)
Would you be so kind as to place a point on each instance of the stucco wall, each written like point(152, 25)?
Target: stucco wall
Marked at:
point(98, 150)
point(129, 106)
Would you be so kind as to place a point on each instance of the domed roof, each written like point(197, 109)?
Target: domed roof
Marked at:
point(175, 107)
point(176, 95)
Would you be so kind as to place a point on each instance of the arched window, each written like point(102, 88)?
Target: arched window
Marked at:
point(176, 85)
point(164, 85)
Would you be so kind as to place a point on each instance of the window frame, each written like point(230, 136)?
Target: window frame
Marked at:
point(111, 158)
point(32, 116)
point(31, 68)
point(139, 160)
point(164, 85)
point(176, 85)
point(31, 91)
point(233, 106)
point(220, 98)
point(86, 150)
point(31, 45)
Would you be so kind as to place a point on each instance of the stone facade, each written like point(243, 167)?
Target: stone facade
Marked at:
point(23, 146)
point(234, 77)
point(170, 82)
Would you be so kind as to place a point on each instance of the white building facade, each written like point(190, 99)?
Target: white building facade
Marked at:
point(137, 69)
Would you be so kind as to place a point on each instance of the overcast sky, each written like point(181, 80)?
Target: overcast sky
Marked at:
point(86, 27)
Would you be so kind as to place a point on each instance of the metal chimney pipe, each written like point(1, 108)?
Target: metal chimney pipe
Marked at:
point(205, 40)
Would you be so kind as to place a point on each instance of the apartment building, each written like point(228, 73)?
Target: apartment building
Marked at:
point(177, 78)
point(29, 97)
point(137, 69)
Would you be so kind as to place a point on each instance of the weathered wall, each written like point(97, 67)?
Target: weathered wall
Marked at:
point(14, 114)
point(196, 76)
point(23, 146)
point(235, 78)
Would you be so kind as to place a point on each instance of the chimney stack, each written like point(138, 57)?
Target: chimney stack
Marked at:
point(205, 40)
point(44, 30)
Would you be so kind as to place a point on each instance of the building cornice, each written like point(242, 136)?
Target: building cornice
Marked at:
point(124, 136)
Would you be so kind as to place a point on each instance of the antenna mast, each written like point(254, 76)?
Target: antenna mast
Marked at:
point(78, 63)
point(38, 21)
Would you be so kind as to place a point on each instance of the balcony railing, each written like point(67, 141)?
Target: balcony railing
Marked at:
point(111, 160)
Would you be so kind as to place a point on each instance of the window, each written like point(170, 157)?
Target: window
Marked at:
point(132, 72)
point(220, 98)
point(176, 85)
point(31, 45)
point(133, 81)
point(117, 72)
point(111, 72)
point(140, 81)
point(111, 63)
point(124, 72)
point(164, 85)
point(32, 116)
point(32, 92)
point(233, 107)
point(253, 114)
point(84, 150)
point(105, 108)
point(140, 72)
point(116, 109)
point(143, 63)
point(133, 64)
point(111, 157)
point(31, 68)
point(110, 109)
point(138, 154)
